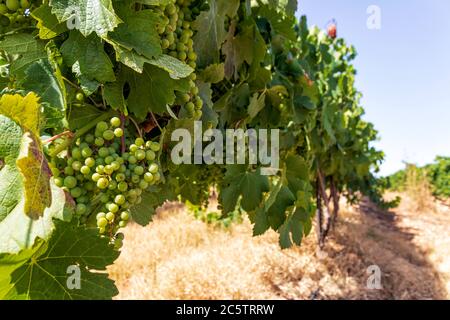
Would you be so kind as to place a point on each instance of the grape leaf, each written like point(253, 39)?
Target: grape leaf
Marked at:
point(30, 199)
point(44, 81)
point(150, 91)
point(211, 33)
point(143, 213)
point(48, 24)
point(91, 15)
point(138, 32)
point(213, 73)
point(257, 103)
point(81, 116)
point(240, 182)
point(88, 60)
point(247, 46)
point(25, 49)
point(43, 273)
point(281, 23)
point(175, 68)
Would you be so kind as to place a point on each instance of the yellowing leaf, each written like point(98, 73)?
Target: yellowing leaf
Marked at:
point(36, 177)
point(25, 111)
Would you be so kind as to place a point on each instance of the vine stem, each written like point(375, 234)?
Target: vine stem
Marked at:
point(136, 125)
point(62, 134)
point(80, 133)
point(156, 121)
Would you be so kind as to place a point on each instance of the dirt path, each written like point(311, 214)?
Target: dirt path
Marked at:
point(177, 257)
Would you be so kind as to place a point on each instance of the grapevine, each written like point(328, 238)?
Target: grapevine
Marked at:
point(90, 100)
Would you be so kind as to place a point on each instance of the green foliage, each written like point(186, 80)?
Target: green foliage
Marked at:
point(160, 65)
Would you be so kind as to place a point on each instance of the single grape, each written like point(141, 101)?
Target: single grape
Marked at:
point(110, 216)
point(76, 153)
point(108, 135)
point(150, 155)
point(59, 182)
point(102, 183)
point(139, 170)
point(148, 177)
point(143, 185)
point(112, 185)
point(122, 186)
point(13, 5)
point(86, 152)
point(81, 209)
point(134, 148)
point(70, 182)
point(125, 216)
point(120, 199)
point(118, 132)
point(95, 177)
point(122, 224)
point(132, 160)
point(153, 168)
point(113, 207)
point(102, 126)
point(90, 162)
point(99, 141)
point(79, 97)
point(101, 215)
point(102, 222)
point(76, 192)
point(155, 146)
point(115, 122)
point(85, 170)
point(140, 155)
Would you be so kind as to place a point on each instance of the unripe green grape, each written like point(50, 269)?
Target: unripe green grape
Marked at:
point(150, 155)
point(157, 176)
point(120, 199)
point(99, 141)
point(59, 182)
point(103, 152)
point(76, 153)
point(86, 152)
point(118, 132)
point(135, 178)
point(81, 209)
point(89, 138)
point(13, 5)
point(182, 56)
point(102, 230)
point(139, 142)
point(112, 185)
point(125, 216)
point(70, 182)
point(143, 184)
point(85, 170)
point(132, 160)
point(55, 171)
point(122, 186)
point(76, 192)
point(132, 193)
point(95, 177)
point(173, 54)
point(108, 135)
point(134, 148)
point(100, 169)
point(115, 165)
point(102, 126)
point(192, 64)
point(148, 177)
point(110, 216)
point(109, 170)
point(122, 224)
point(76, 165)
point(102, 183)
point(113, 207)
point(138, 200)
point(90, 162)
point(139, 170)
point(198, 114)
point(120, 177)
point(140, 155)
point(3, 9)
point(100, 215)
point(155, 146)
point(25, 4)
point(109, 160)
point(190, 107)
point(192, 56)
point(115, 122)
point(102, 222)
point(79, 97)
point(165, 43)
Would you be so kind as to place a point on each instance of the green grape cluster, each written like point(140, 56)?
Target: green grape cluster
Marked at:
point(207, 178)
point(15, 13)
point(176, 40)
point(103, 180)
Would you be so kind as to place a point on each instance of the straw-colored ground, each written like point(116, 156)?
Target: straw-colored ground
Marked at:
point(177, 257)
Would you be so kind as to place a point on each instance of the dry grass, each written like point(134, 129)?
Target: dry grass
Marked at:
point(177, 257)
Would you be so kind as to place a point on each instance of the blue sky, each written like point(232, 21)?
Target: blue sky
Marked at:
point(403, 72)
